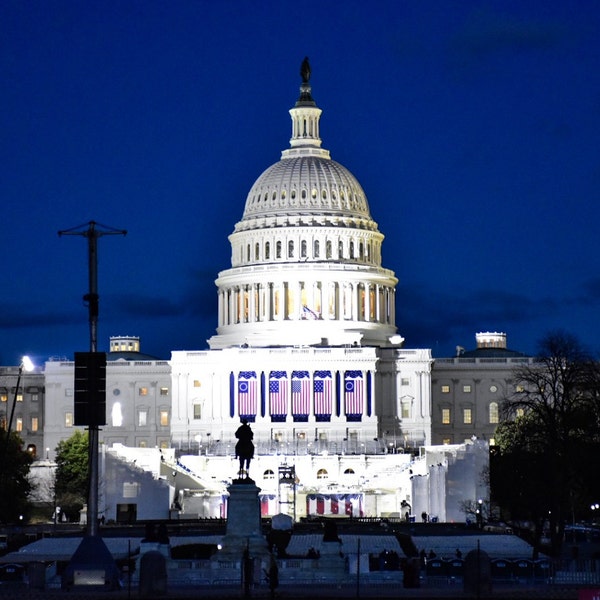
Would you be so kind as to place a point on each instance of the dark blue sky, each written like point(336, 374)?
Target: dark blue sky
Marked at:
point(473, 127)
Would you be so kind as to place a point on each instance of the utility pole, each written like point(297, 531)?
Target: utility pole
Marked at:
point(92, 232)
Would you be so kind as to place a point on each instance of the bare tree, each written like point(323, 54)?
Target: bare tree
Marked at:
point(550, 427)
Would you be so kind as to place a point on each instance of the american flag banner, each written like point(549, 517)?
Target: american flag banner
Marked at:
point(278, 393)
point(322, 387)
point(247, 396)
point(334, 504)
point(300, 393)
point(353, 392)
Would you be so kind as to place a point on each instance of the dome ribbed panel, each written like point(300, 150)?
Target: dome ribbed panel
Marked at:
point(306, 185)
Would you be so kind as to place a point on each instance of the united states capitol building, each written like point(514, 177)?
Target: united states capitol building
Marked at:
point(346, 420)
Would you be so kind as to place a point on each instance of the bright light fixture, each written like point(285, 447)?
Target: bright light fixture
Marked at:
point(27, 364)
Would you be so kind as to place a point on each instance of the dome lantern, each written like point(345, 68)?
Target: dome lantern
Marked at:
point(305, 121)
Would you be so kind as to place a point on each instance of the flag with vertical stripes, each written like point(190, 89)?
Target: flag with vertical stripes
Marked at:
point(322, 391)
point(278, 393)
point(247, 394)
point(300, 393)
point(353, 393)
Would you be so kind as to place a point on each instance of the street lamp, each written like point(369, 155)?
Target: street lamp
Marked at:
point(28, 366)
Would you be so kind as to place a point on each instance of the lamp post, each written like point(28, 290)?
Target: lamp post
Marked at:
point(28, 366)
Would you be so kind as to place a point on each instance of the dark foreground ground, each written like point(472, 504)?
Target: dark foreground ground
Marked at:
point(329, 591)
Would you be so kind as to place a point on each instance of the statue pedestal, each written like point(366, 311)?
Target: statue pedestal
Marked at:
point(244, 529)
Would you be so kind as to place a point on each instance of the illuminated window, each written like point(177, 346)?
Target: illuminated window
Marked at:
point(519, 389)
point(322, 474)
point(19, 424)
point(467, 416)
point(34, 424)
point(116, 415)
point(164, 391)
point(405, 409)
point(467, 389)
point(197, 411)
point(142, 444)
point(197, 383)
point(164, 418)
point(494, 413)
point(445, 389)
point(143, 391)
point(142, 417)
point(446, 441)
point(19, 397)
point(520, 412)
point(69, 419)
point(3, 397)
point(493, 389)
point(446, 416)
point(34, 397)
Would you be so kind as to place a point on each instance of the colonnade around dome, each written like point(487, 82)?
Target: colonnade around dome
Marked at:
point(306, 301)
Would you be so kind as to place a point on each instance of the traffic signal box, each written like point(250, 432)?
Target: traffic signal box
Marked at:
point(90, 389)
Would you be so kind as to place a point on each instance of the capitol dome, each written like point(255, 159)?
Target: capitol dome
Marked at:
point(306, 185)
point(306, 254)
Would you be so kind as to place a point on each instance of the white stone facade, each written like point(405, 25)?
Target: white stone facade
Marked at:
point(138, 403)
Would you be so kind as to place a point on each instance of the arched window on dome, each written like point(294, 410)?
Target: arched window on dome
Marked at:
point(368, 251)
point(361, 250)
point(278, 250)
point(257, 252)
point(324, 194)
point(274, 195)
point(372, 307)
point(351, 251)
point(303, 194)
point(316, 249)
point(293, 194)
point(248, 253)
point(290, 249)
point(340, 249)
point(267, 251)
point(328, 249)
point(303, 249)
point(313, 193)
point(283, 194)
point(332, 300)
point(361, 303)
point(347, 301)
